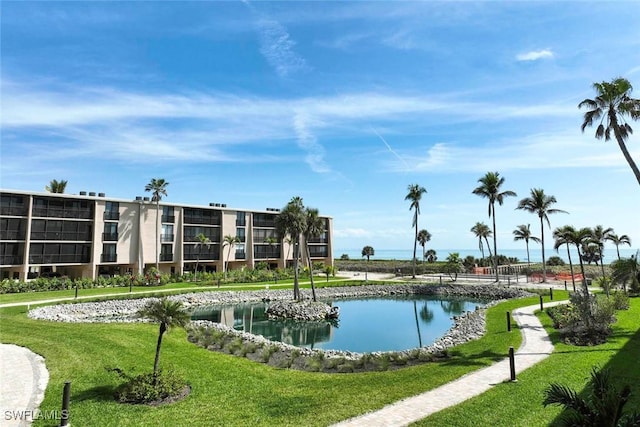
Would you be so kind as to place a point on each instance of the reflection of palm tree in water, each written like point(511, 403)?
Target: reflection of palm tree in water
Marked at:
point(425, 314)
point(455, 307)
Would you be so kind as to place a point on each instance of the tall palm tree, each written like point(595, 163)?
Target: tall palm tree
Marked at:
point(367, 251)
point(423, 237)
point(602, 406)
point(482, 231)
point(565, 236)
point(612, 105)
point(202, 241)
point(600, 235)
point(56, 186)
point(229, 240)
point(619, 240)
point(580, 239)
point(313, 229)
point(627, 270)
point(489, 188)
point(523, 232)
point(158, 188)
point(414, 195)
point(540, 204)
point(292, 221)
point(169, 314)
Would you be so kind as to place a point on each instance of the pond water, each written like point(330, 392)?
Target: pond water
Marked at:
point(365, 324)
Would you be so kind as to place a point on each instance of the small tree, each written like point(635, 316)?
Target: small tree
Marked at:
point(169, 314)
point(202, 241)
point(367, 251)
point(230, 241)
point(454, 265)
point(56, 186)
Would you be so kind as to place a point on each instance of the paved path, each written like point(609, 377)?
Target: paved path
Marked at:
point(536, 346)
point(23, 380)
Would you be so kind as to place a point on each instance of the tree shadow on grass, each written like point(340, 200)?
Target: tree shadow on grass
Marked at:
point(101, 393)
point(484, 358)
point(286, 407)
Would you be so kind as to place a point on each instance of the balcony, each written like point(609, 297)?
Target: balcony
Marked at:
point(166, 237)
point(109, 237)
point(62, 235)
point(60, 259)
point(169, 218)
point(111, 216)
point(109, 258)
point(10, 259)
point(241, 222)
point(166, 257)
point(13, 210)
point(12, 235)
point(63, 213)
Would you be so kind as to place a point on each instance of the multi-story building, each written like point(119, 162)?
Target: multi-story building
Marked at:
point(86, 235)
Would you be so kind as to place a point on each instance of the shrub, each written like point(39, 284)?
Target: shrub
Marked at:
point(620, 300)
point(555, 260)
point(147, 388)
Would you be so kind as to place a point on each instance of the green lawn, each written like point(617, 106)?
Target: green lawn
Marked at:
point(233, 391)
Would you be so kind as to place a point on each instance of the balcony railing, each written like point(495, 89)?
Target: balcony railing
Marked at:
point(62, 213)
point(168, 218)
point(241, 255)
point(111, 215)
point(10, 259)
point(12, 235)
point(109, 258)
point(166, 237)
point(59, 259)
point(208, 220)
point(62, 235)
point(13, 210)
point(166, 257)
point(109, 237)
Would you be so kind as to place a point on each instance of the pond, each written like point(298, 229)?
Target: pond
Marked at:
point(365, 324)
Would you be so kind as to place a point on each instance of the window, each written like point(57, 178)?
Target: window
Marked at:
point(112, 211)
point(12, 228)
point(110, 231)
point(240, 234)
point(13, 204)
point(241, 219)
point(167, 233)
point(109, 252)
point(168, 214)
point(166, 253)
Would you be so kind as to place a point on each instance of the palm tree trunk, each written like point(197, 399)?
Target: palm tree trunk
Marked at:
point(573, 279)
point(526, 242)
point(618, 251)
point(157, 237)
point(623, 147)
point(495, 242)
point(156, 363)
point(415, 245)
point(544, 262)
point(296, 278)
point(313, 287)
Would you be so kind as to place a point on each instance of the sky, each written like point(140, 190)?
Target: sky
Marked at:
point(344, 104)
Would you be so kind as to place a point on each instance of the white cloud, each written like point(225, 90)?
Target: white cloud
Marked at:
point(277, 46)
point(534, 55)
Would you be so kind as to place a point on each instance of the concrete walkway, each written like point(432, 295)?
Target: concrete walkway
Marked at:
point(535, 347)
point(23, 380)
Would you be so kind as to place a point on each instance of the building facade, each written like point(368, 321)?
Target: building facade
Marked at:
point(87, 235)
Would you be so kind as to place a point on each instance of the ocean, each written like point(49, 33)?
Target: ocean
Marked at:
point(521, 254)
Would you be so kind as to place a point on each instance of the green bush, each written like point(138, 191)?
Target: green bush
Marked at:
point(620, 300)
point(555, 261)
point(147, 388)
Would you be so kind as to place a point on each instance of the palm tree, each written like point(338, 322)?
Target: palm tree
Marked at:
point(566, 236)
point(56, 186)
point(423, 237)
point(523, 232)
point(169, 314)
point(489, 188)
point(230, 241)
point(600, 235)
point(271, 241)
point(627, 270)
point(580, 239)
point(158, 188)
point(367, 251)
point(202, 241)
point(313, 229)
point(292, 221)
point(289, 243)
point(540, 204)
point(431, 256)
point(619, 240)
point(482, 231)
point(414, 195)
point(603, 406)
point(612, 105)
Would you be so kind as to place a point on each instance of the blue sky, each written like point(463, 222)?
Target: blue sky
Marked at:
point(341, 103)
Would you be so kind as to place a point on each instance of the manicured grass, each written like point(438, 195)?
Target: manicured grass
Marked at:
point(520, 403)
point(226, 390)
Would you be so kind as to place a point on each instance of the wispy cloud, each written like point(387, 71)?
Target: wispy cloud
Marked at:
point(278, 48)
point(391, 150)
point(308, 142)
point(535, 55)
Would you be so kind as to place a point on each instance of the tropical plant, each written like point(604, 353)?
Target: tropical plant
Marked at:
point(600, 235)
point(453, 265)
point(612, 105)
point(292, 221)
point(169, 314)
point(482, 231)
point(489, 188)
point(271, 241)
point(423, 237)
point(602, 406)
point(414, 195)
point(540, 204)
point(314, 226)
point(431, 256)
point(619, 240)
point(202, 241)
point(158, 188)
point(566, 236)
point(627, 271)
point(367, 251)
point(523, 232)
point(56, 186)
point(230, 241)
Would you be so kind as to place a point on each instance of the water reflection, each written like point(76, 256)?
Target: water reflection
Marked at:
point(365, 325)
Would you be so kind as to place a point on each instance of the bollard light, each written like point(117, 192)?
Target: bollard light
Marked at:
point(66, 397)
point(512, 364)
